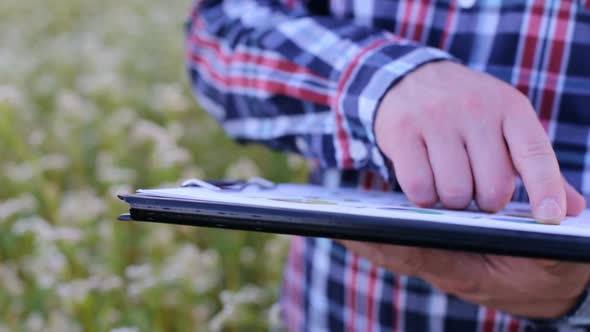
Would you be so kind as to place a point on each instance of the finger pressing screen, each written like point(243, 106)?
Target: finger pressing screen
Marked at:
point(535, 161)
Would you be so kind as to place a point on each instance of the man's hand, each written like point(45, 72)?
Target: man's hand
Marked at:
point(531, 288)
point(454, 134)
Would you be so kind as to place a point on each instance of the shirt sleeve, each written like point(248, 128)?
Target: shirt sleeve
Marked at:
point(286, 74)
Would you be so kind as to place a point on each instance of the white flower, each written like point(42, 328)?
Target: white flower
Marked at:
point(63, 130)
point(249, 294)
point(231, 301)
point(189, 263)
point(70, 234)
point(218, 321)
point(73, 107)
point(170, 97)
point(125, 329)
point(146, 131)
point(136, 288)
point(183, 263)
point(121, 189)
point(105, 231)
point(160, 16)
point(22, 172)
point(45, 84)
point(75, 291)
point(170, 156)
point(110, 283)
point(167, 153)
point(247, 255)
point(207, 272)
point(102, 58)
point(36, 137)
point(12, 95)
point(113, 317)
point(34, 224)
point(276, 246)
point(56, 162)
point(108, 172)
point(99, 81)
point(35, 322)
point(200, 313)
point(274, 317)
point(295, 161)
point(82, 205)
point(47, 265)
point(139, 271)
point(10, 281)
point(243, 169)
point(60, 322)
point(193, 172)
point(162, 236)
point(21, 204)
point(120, 121)
point(3, 328)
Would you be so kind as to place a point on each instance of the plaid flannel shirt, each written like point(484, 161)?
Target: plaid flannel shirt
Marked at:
point(306, 76)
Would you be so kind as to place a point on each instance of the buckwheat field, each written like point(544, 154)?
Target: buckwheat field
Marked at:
point(94, 102)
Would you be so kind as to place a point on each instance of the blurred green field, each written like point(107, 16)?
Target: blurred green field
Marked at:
point(94, 101)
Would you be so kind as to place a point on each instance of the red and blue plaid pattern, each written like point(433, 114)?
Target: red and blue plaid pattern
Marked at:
point(306, 76)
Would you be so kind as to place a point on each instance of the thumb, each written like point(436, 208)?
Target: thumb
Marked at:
point(576, 203)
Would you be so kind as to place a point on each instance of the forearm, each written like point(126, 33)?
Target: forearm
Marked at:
point(280, 75)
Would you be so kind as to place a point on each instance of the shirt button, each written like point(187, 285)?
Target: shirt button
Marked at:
point(466, 4)
point(358, 150)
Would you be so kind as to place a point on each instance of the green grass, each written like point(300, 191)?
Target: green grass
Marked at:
point(94, 101)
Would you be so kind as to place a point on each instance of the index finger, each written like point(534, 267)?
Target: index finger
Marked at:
point(535, 161)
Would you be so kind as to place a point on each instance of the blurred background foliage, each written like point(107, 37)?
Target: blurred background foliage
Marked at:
point(94, 102)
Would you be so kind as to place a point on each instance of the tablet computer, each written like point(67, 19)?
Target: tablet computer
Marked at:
point(383, 217)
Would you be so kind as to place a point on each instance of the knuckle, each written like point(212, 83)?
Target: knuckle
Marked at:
point(516, 102)
point(434, 111)
point(538, 148)
point(425, 201)
point(485, 123)
point(538, 151)
point(420, 190)
point(521, 102)
point(493, 197)
point(404, 121)
point(456, 196)
point(474, 101)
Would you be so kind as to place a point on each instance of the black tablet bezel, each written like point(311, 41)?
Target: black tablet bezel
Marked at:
point(373, 229)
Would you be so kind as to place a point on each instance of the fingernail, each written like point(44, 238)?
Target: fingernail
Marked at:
point(549, 211)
